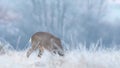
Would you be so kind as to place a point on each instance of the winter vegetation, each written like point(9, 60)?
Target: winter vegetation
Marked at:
point(88, 29)
point(79, 58)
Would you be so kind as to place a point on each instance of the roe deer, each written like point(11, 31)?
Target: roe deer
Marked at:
point(45, 40)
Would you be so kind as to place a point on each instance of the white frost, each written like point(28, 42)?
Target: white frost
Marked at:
point(72, 59)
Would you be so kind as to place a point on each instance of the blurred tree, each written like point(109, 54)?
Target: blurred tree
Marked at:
point(73, 21)
point(61, 18)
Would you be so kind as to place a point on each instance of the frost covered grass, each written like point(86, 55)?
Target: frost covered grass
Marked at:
point(78, 58)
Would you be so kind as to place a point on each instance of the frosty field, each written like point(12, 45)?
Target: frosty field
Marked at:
point(73, 21)
point(73, 59)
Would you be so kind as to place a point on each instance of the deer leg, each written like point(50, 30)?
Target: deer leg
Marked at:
point(33, 48)
point(29, 52)
point(57, 49)
point(60, 53)
point(40, 51)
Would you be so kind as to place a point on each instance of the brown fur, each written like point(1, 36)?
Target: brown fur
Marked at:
point(45, 40)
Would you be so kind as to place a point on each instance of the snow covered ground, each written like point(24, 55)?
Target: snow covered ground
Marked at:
point(72, 59)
